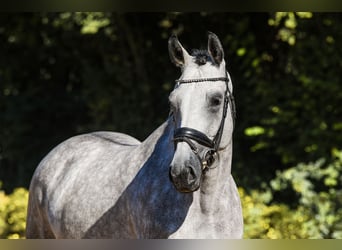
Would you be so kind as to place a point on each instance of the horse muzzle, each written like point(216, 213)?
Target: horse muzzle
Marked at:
point(185, 177)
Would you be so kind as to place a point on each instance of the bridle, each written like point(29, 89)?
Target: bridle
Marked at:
point(188, 135)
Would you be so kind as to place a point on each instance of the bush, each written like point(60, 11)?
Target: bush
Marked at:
point(13, 213)
point(315, 214)
point(263, 221)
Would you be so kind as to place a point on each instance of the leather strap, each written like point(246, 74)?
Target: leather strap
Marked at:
point(193, 134)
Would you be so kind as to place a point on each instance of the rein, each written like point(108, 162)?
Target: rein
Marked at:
point(185, 134)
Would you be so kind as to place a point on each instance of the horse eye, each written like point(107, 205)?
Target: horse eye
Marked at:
point(215, 100)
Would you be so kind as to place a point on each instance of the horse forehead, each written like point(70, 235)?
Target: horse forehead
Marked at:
point(193, 70)
point(198, 90)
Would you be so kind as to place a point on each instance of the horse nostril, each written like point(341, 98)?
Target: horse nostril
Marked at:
point(191, 173)
point(188, 173)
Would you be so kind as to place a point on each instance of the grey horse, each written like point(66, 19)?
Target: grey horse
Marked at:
point(177, 183)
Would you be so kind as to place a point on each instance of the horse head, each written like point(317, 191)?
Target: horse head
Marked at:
point(199, 105)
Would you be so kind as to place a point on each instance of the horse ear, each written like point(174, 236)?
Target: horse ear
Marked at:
point(215, 48)
point(178, 54)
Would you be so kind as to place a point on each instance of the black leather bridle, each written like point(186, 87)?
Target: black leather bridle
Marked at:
point(188, 135)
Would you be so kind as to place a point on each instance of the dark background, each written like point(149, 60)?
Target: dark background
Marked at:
point(63, 74)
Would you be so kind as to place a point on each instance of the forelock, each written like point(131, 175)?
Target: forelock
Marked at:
point(201, 56)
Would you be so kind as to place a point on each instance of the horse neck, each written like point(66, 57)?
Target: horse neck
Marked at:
point(215, 182)
point(158, 140)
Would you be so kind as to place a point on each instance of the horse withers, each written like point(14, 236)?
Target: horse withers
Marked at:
point(175, 184)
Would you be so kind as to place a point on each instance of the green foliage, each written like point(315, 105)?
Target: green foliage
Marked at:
point(264, 221)
point(290, 91)
point(79, 72)
point(13, 213)
point(67, 73)
point(316, 212)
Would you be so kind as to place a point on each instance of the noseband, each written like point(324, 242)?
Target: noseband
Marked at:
point(188, 135)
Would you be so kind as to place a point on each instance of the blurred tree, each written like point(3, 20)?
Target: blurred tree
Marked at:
point(66, 73)
point(290, 94)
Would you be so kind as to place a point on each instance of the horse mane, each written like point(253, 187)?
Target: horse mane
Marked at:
point(201, 56)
